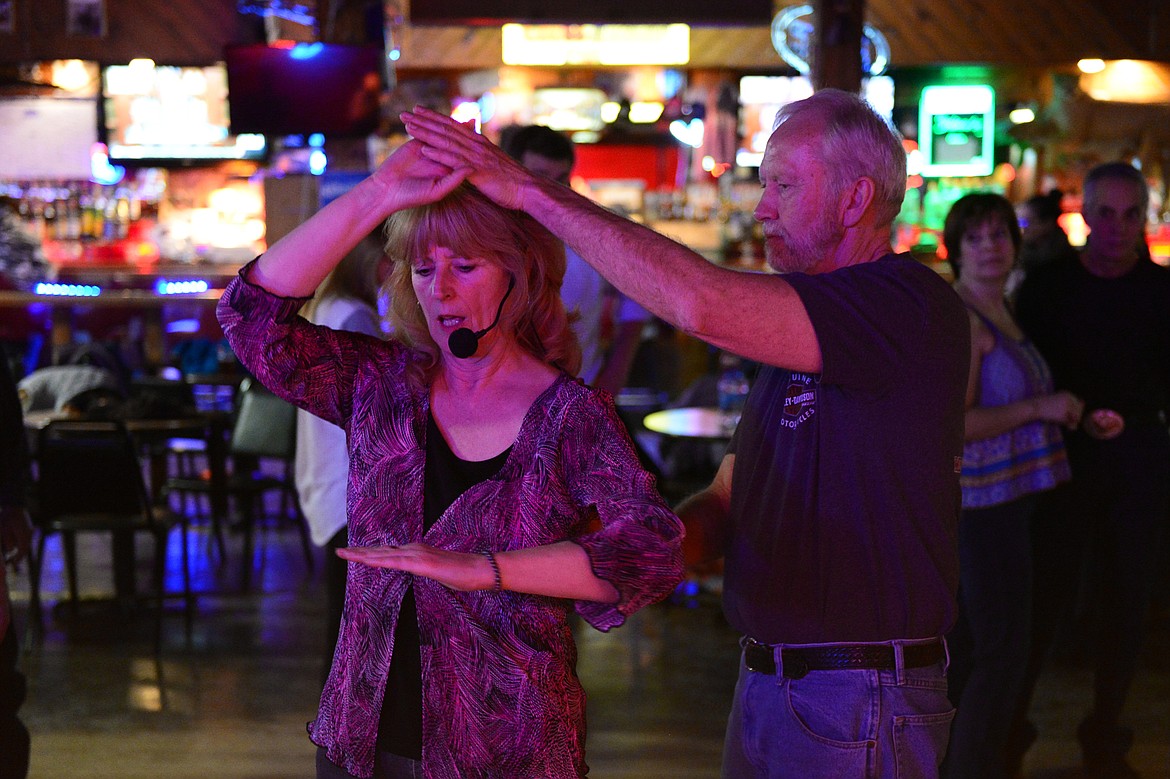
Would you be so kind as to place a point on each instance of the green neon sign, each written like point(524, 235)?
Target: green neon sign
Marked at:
point(956, 130)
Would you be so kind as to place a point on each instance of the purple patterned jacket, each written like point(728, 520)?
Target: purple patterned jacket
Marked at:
point(501, 696)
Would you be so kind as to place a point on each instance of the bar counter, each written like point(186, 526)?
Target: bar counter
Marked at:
point(156, 310)
point(128, 272)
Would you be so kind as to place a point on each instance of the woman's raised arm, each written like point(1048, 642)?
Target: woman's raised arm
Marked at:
point(296, 264)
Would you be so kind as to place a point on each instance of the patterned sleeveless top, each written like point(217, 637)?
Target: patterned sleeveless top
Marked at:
point(1026, 459)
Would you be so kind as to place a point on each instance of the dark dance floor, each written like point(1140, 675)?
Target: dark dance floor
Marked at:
point(231, 701)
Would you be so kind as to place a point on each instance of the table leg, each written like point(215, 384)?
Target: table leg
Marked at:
point(217, 454)
point(124, 564)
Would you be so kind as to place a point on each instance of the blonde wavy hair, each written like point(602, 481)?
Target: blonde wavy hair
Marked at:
point(469, 225)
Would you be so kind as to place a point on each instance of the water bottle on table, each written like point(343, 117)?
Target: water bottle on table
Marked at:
point(732, 390)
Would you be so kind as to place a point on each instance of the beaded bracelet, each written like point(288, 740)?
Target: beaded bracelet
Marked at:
point(491, 558)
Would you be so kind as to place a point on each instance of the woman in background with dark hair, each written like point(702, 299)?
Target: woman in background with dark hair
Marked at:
point(1042, 239)
point(490, 492)
point(1014, 452)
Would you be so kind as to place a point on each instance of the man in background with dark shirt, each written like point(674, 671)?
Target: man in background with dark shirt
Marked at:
point(608, 325)
point(836, 507)
point(15, 538)
point(1102, 321)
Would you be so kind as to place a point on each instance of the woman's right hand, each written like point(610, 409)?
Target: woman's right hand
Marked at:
point(1063, 408)
point(1104, 424)
point(410, 179)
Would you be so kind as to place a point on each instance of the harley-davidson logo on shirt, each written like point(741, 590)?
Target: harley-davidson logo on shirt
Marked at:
point(800, 400)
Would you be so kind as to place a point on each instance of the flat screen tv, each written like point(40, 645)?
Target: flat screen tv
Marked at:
point(170, 115)
point(305, 88)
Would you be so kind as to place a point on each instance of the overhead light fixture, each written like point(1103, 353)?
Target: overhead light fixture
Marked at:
point(595, 44)
point(1091, 65)
point(73, 75)
point(645, 111)
point(1129, 81)
point(1022, 115)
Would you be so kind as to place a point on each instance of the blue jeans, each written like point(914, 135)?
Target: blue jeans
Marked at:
point(861, 724)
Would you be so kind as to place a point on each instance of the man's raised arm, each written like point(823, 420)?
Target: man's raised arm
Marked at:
point(758, 316)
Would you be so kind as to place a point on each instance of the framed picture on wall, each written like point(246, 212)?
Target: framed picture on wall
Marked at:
point(7, 14)
point(85, 18)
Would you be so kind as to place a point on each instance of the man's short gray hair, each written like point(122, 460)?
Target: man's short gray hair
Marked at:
point(1115, 171)
point(858, 143)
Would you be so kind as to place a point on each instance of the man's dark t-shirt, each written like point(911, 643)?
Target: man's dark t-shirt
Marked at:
point(845, 494)
point(1106, 340)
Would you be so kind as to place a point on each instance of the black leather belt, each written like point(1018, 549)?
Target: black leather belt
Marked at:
point(798, 661)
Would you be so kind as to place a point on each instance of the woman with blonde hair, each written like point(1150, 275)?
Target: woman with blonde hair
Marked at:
point(490, 493)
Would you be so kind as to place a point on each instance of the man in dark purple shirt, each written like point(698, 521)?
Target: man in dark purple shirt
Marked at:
point(837, 503)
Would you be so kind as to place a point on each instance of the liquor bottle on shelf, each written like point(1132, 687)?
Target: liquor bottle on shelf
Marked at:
point(121, 215)
point(48, 229)
point(100, 208)
point(73, 215)
point(87, 214)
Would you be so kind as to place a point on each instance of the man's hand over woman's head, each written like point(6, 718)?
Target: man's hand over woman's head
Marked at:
point(464, 151)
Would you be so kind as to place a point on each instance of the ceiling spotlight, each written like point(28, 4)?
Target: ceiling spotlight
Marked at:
point(1022, 116)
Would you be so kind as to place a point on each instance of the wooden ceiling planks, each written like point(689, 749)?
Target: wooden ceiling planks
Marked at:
point(733, 47)
point(1040, 33)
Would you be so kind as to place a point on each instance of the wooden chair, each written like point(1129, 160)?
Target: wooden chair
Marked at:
point(264, 429)
point(89, 479)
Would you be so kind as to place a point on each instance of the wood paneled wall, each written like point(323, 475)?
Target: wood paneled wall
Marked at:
point(168, 31)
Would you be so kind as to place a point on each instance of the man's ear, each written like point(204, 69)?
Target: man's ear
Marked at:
point(856, 200)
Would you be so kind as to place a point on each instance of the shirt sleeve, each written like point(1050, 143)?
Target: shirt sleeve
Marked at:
point(311, 366)
point(636, 543)
point(872, 320)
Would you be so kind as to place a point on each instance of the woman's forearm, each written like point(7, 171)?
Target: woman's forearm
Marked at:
point(989, 421)
point(560, 570)
point(296, 264)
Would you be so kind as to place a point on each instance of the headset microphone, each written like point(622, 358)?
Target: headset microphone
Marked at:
point(464, 342)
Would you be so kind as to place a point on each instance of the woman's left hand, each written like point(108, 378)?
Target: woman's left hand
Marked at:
point(457, 570)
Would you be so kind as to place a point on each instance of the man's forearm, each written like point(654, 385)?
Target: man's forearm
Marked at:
point(641, 263)
point(725, 308)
